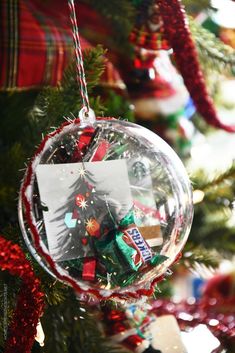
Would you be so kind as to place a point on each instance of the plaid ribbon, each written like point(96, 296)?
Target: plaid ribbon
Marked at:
point(8, 42)
point(35, 43)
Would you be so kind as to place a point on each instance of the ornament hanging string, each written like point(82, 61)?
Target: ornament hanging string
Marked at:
point(86, 114)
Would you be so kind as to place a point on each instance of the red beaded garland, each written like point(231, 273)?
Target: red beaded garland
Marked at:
point(222, 325)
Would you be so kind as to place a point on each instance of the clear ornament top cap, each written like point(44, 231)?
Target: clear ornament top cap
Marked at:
point(87, 117)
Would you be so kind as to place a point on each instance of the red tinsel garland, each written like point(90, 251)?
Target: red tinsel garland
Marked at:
point(29, 302)
point(178, 34)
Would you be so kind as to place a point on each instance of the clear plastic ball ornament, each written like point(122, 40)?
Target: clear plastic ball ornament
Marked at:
point(106, 208)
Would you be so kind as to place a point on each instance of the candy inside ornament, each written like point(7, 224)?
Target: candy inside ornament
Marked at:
point(106, 208)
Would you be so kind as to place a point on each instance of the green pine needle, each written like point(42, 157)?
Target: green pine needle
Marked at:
point(220, 57)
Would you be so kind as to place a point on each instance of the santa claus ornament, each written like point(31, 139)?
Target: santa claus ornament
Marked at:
point(105, 205)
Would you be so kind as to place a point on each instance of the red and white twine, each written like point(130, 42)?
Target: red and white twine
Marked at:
point(79, 60)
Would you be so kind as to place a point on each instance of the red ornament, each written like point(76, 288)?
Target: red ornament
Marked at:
point(221, 289)
point(29, 302)
point(114, 315)
point(178, 35)
point(133, 342)
point(115, 328)
point(119, 328)
point(80, 200)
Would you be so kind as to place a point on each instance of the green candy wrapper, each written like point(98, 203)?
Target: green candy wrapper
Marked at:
point(129, 253)
point(124, 251)
point(128, 220)
point(121, 254)
point(111, 258)
point(158, 259)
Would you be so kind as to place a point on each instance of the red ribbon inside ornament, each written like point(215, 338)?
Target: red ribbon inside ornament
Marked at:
point(30, 303)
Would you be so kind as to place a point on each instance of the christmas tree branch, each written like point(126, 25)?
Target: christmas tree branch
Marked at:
point(201, 182)
point(74, 328)
point(220, 57)
point(198, 254)
point(55, 103)
point(196, 6)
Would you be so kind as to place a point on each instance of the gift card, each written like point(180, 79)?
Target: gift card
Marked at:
point(82, 201)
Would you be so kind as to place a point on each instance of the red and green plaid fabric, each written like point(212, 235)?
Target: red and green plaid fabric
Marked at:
point(35, 43)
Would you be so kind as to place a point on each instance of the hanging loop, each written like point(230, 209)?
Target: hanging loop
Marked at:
point(89, 115)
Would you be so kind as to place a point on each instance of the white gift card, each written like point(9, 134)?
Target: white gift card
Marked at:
point(78, 198)
point(82, 201)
